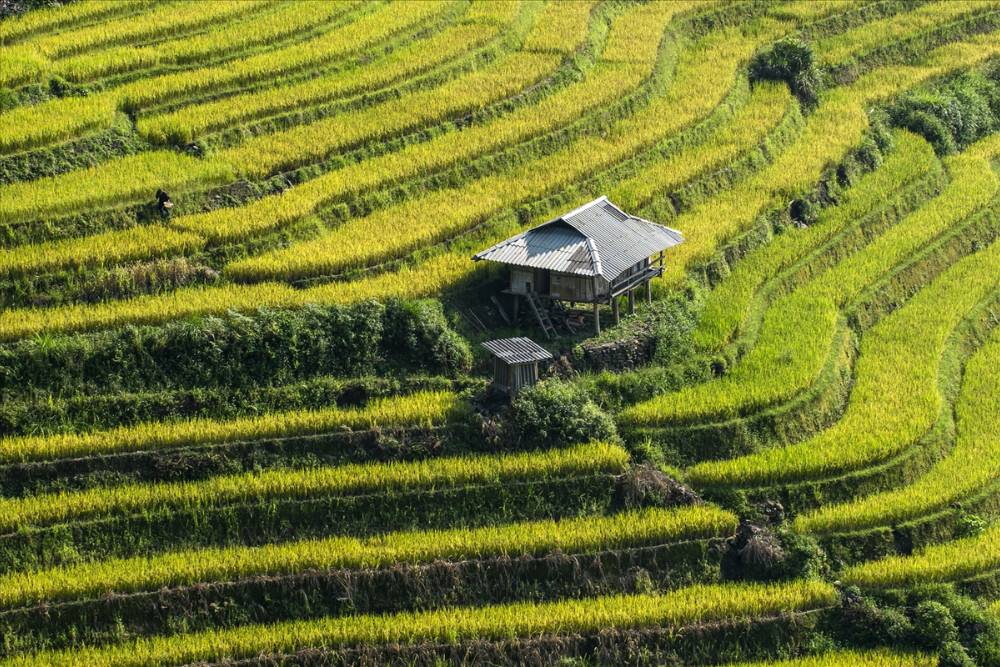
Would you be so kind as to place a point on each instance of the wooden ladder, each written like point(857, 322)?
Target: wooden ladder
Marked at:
point(541, 314)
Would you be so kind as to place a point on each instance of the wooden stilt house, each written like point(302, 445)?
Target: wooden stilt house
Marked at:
point(593, 254)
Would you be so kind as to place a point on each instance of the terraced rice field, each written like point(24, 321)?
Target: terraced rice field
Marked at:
point(254, 425)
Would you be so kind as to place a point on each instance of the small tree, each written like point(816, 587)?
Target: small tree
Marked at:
point(554, 413)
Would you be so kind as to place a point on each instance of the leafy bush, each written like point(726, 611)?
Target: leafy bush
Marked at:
point(954, 654)
point(269, 347)
point(554, 413)
point(790, 60)
point(934, 624)
point(952, 115)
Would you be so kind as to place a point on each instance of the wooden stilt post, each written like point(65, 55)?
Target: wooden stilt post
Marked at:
point(597, 318)
point(614, 307)
point(517, 303)
point(649, 291)
point(631, 301)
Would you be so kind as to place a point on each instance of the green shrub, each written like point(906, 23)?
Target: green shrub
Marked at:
point(934, 625)
point(554, 413)
point(790, 60)
point(954, 654)
point(951, 115)
point(275, 346)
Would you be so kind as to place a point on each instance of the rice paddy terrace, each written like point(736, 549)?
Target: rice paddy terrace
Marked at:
point(245, 416)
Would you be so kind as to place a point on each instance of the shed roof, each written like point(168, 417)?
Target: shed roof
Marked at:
point(597, 239)
point(517, 350)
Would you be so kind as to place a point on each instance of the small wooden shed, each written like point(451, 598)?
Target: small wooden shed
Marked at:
point(515, 362)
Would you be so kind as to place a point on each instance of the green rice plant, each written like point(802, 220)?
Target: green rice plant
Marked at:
point(126, 180)
point(727, 306)
point(835, 127)
point(48, 509)
point(877, 658)
point(700, 604)
point(895, 397)
point(994, 608)
point(800, 328)
point(950, 561)
point(972, 466)
point(710, 68)
point(185, 124)
point(629, 530)
point(561, 27)
point(280, 151)
point(842, 46)
point(602, 85)
point(161, 21)
point(257, 30)
point(421, 409)
point(52, 18)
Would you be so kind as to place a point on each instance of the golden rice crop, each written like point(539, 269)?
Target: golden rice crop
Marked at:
point(675, 609)
point(460, 96)
point(800, 328)
point(895, 396)
point(972, 466)
point(66, 117)
point(639, 40)
point(47, 509)
point(808, 10)
point(602, 85)
point(26, 127)
point(260, 28)
point(53, 18)
point(126, 180)
point(748, 127)
point(705, 227)
point(378, 24)
point(726, 307)
point(415, 410)
point(105, 249)
point(158, 22)
point(835, 127)
point(162, 21)
point(561, 27)
point(849, 43)
point(189, 122)
point(877, 658)
point(710, 69)
point(950, 561)
point(183, 568)
point(500, 13)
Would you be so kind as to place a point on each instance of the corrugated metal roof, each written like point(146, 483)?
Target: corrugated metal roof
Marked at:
point(597, 239)
point(517, 350)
